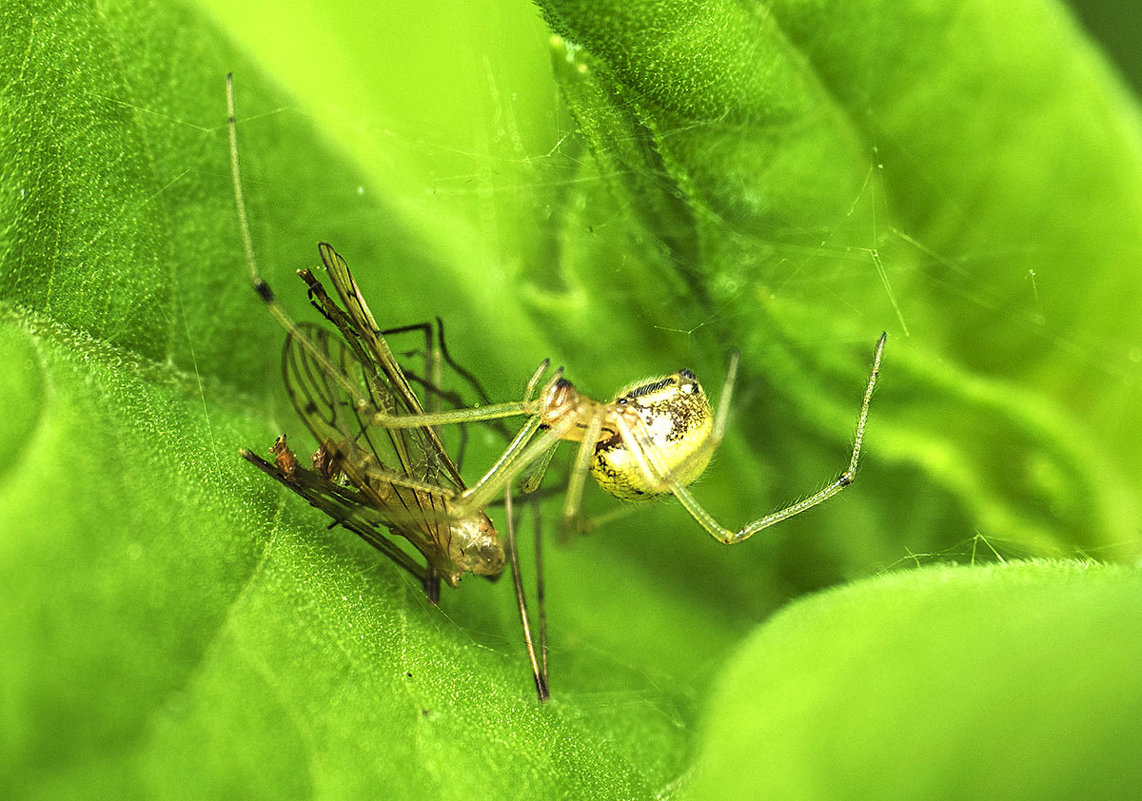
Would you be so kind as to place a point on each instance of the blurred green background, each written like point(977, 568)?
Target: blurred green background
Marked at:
point(664, 184)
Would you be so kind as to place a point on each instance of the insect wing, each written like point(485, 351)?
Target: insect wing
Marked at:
point(404, 399)
point(366, 325)
point(329, 385)
point(393, 472)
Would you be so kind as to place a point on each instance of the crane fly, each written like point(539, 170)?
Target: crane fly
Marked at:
point(380, 483)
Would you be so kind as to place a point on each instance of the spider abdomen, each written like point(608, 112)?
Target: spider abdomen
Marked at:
point(669, 424)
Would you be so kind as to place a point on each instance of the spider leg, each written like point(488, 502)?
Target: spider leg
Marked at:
point(578, 475)
point(514, 460)
point(641, 446)
point(476, 414)
point(535, 473)
point(431, 381)
point(638, 441)
point(723, 412)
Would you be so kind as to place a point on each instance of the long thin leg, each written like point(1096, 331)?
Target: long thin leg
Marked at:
point(540, 675)
point(330, 498)
point(470, 378)
point(435, 343)
point(431, 586)
point(256, 281)
point(433, 376)
point(578, 475)
point(432, 381)
point(506, 469)
point(476, 414)
point(473, 382)
point(436, 349)
point(540, 586)
point(724, 401)
point(538, 469)
point(640, 442)
point(498, 475)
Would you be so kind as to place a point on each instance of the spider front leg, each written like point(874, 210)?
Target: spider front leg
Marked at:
point(578, 475)
point(728, 537)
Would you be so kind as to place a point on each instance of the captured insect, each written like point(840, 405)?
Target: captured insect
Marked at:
point(373, 480)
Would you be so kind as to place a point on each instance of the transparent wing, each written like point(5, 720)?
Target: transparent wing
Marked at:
point(418, 512)
point(359, 327)
point(365, 326)
point(336, 390)
point(396, 478)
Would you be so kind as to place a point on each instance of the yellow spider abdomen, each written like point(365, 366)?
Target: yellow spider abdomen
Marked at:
point(673, 417)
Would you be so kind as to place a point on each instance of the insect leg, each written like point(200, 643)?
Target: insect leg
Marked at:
point(538, 671)
point(325, 496)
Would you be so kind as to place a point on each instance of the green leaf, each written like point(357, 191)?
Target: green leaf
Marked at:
point(788, 180)
point(1018, 681)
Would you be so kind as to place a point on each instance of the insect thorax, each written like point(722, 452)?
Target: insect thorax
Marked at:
point(675, 416)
